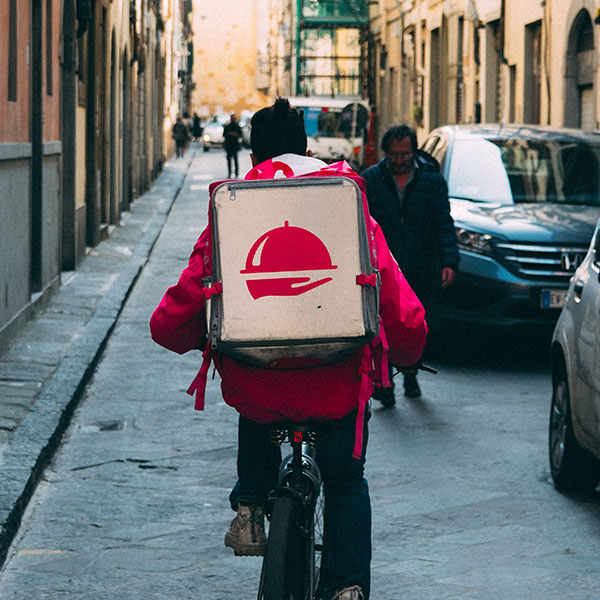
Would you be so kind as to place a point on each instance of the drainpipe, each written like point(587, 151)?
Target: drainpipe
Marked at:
point(37, 144)
point(68, 108)
point(546, 23)
point(297, 91)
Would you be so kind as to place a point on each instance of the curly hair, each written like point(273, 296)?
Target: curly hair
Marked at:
point(399, 132)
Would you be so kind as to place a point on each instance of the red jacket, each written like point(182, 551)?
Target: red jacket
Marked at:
point(321, 393)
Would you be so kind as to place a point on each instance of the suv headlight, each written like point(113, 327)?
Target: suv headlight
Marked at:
point(473, 241)
point(206, 137)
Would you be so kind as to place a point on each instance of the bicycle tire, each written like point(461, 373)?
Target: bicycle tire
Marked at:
point(318, 528)
point(285, 561)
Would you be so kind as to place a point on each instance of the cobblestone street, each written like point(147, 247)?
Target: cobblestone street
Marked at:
point(134, 504)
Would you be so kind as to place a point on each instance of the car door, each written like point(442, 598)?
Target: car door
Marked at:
point(585, 378)
point(595, 316)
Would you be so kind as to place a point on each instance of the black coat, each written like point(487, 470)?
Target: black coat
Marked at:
point(420, 234)
point(232, 133)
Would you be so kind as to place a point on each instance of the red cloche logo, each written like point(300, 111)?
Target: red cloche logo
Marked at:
point(286, 249)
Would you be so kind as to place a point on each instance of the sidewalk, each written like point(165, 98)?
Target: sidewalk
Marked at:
point(44, 372)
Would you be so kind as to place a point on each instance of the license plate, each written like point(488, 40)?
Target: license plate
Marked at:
point(553, 298)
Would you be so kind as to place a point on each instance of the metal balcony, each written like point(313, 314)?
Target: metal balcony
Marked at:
point(349, 13)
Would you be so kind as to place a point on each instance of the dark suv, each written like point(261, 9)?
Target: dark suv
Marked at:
point(525, 200)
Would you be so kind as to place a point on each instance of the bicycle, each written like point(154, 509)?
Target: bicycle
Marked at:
point(291, 564)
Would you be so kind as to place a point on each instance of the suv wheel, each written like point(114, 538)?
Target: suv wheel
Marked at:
point(572, 467)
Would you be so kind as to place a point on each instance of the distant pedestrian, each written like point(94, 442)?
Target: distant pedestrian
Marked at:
point(196, 128)
point(181, 135)
point(232, 134)
point(408, 197)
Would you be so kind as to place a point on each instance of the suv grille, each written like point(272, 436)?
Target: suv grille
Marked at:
point(537, 261)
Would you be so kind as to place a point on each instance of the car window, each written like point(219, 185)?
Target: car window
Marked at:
point(334, 122)
point(439, 152)
point(524, 171)
point(430, 144)
point(476, 173)
point(219, 120)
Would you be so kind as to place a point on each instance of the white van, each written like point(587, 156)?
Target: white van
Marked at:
point(336, 127)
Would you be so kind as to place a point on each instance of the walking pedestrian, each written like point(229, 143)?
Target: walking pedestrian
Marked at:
point(335, 393)
point(408, 197)
point(232, 134)
point(196, 128)
point(181, 135)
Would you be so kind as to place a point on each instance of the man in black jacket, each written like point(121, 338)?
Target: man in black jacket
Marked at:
point(232, 134)
point(408, 197)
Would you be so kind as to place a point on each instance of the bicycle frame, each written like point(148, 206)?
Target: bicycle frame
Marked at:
point(300, 478)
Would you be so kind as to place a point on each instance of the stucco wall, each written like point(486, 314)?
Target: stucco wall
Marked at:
point(52, 101)
point(14, 116)
point(225, 56)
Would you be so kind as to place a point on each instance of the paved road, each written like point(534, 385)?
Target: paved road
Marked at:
point(135, 504)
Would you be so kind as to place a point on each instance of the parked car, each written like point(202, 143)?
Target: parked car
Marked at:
point(524, 200)
point(244, 123)
point(574, 432)
point(212, 136)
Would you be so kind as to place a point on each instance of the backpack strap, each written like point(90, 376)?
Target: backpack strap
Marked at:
point(363, 400)
point(199, 383)
point(381, 350)
point(364, 279)
point(210, 291)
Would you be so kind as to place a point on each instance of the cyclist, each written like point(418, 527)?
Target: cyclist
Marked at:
point(336, 394)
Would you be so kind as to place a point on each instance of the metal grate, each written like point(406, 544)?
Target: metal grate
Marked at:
point(538, 261)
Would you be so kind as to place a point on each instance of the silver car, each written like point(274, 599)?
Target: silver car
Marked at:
point(212, 136)
point(574, 436)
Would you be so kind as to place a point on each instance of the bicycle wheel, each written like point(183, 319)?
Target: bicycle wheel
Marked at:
point(318, 535)
point(285, 558)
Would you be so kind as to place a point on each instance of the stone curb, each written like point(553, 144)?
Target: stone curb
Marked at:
point(37, 437)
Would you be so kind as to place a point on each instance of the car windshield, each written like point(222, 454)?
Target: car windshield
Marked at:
point(334, 122)
point(523, 171)
point(219, 120)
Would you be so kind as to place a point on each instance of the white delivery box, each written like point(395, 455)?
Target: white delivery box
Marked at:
point(292, 271)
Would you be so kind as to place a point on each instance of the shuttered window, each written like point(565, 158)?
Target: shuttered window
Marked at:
point(49, 64)
point(12, 51)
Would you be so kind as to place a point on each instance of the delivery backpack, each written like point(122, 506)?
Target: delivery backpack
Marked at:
point(293, 283)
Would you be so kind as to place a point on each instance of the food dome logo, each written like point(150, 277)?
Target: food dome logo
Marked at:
point(287, 250)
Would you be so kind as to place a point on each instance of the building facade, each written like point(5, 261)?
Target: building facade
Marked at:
point(318, 48)
point(260, 49)
point(89, 90)
point(466, 61)
point(230, 56)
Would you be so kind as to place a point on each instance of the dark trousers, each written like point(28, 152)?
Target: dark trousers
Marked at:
point(346, 555)
point(232, 157)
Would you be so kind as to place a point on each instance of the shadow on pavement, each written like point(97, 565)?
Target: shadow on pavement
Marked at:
point(525, 349)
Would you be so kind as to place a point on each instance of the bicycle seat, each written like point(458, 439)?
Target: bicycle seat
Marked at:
point(295, 426)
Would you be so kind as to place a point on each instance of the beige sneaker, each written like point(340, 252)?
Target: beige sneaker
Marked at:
point(246, 533)
point(349, 593)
